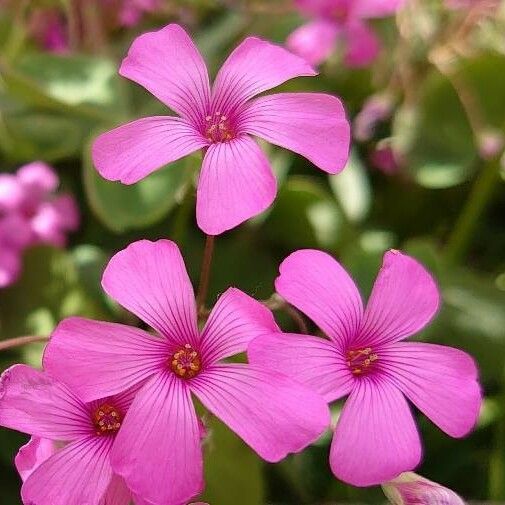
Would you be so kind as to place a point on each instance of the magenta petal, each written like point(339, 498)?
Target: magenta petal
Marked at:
point(150, 280)
point(376, 437)
point(314, 41)
point(77, 474)
point(313, 361)
point(323, 8)
point(363, 46)
point(106, 358)
point(235, 320)
point(10, 266)
point(12, 192)
point(33, 402)
point(236, 183)
point(253, 67)
point(117, 493)
point(311, 124)
point(376, 8)
point(32, 455)
point(169, 65)
point(39, 177)
point(441, 381)
point(272, 413)
point(316, 284)
point(134, 150)
point(157, 450)
point(404, 299)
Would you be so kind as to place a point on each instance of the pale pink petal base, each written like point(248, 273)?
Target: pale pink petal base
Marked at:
point(272, 413)
point(117, 493)
point(32, 455)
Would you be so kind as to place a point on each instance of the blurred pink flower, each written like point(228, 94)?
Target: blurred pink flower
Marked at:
point(384, 158)
point(131, 11)
point(30, 214)
point(49, 29)
point(272, 413)
point(67, 460)
point(339, 20)
point(376, 109)
point(376, 437)
point(236, 181)
point(412, 489)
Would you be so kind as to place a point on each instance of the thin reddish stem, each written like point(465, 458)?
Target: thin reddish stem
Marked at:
point(19, 341)
point(205, 272)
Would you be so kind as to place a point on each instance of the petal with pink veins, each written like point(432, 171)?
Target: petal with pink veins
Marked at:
point(272, 413)
point(134, 150)
point(235, 320)
point(77, 474)
point(168, 64)
point(150, 280)
point(313, 361)
point(441, 382)
point(235, 184)
point(117, 493)
point(316, 284)
point(313, 125)
point(404, 299)
point(33, 402)
point(106, 358)
point(253, 67)
point(376, 437)
point(161, 423)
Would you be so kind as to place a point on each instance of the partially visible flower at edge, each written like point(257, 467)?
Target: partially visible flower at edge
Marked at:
point(339, 20)
point(365, 359)
point(236, 181)
point(412, 489)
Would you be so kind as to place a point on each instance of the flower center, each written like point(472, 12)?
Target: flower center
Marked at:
point(360, 361)
point(218, 128)
point(186, 362)
point(106, 419)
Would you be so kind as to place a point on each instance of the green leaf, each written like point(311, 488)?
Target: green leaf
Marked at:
point(123, 207)
point(233, 472)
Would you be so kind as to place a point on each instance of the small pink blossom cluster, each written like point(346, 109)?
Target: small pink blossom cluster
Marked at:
point(31, 213)
point(112, 416)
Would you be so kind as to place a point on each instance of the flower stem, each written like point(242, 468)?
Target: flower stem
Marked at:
point(19, 341)
point(480, 195)
point(205, 272)
point(275, 302)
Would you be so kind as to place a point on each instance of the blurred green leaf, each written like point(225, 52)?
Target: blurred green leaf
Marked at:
point(233, 472)
point(123, 207)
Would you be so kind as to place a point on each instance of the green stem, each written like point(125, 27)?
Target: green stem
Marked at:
point(480, 195)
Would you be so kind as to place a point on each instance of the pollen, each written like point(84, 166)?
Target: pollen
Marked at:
point(218, 128)
point(361, 361)
point(186, 362)
point(107, 419)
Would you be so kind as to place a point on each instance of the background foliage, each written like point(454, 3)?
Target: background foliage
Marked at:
point(445, 206)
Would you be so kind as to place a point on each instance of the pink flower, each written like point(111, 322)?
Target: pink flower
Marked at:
point(131, 11)
point(49, 29)
point(384, 158)
point(412, 489)
point(272, 413)
point(343, 20)
point(376, 437)
point(67, 461)
point(236, 181)
point(375, 110)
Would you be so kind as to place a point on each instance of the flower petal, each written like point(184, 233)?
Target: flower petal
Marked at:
point(321, 8)
point(316, 284)
point(272, 413)
point(376, 8)
point(77, 474)
point(314, 41)
point(32, 455)
point(236, 183)
point(106, 358)
point(134, 150)
point(10, 266)
point(311, 124)
point(253, 67)
point(363, 46)
point(168, 64)
point(162, 424)
point(117, 493)
point(441, 381)
point(404, 299)
point(313, 361)
point(39, 177)
point(376, 437)
point(150, 280)
point(33, 402)
point(235, 320)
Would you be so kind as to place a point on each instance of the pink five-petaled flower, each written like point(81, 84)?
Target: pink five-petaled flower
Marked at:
point(272, 413)
point(236, 181)
point(67, 461)
point(375, 438)
point(339, 19)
